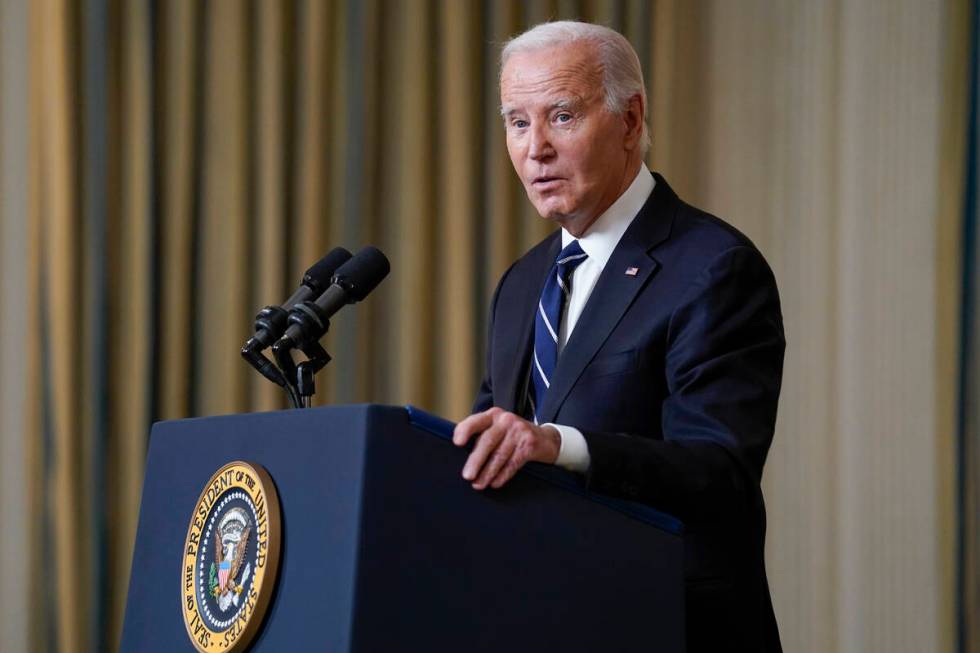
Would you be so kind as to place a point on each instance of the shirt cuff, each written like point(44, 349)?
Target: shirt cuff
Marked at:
point(573, 453)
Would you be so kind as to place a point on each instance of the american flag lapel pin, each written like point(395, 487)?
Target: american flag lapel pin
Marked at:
point(631, 271)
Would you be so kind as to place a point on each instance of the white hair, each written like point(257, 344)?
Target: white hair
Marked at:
point(622, 77)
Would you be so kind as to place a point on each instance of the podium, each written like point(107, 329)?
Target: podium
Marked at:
point(385, 547)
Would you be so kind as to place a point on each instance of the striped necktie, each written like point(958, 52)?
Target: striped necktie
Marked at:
point(548, 321)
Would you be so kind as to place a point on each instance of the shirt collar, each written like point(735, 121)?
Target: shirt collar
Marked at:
point(603, 235)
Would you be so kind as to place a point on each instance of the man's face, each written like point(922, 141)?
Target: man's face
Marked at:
point(572, 155)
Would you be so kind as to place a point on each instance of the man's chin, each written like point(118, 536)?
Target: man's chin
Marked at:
point(551, 211)
point(572, 221)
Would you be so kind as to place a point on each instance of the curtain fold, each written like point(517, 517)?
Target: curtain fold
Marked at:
point(177, 86)
point(17, 478)
point(63, 485)
point(272, 21)
point(458, 146)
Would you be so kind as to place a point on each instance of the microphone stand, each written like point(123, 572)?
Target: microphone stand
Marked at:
point(301, 377)
point(317, 358)
point(271, 319)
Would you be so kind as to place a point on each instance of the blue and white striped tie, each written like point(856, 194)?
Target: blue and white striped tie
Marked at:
point(548, 322)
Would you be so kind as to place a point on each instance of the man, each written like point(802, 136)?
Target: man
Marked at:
point(641, 345)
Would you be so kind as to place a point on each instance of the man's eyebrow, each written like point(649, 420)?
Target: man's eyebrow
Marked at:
point(562, 103)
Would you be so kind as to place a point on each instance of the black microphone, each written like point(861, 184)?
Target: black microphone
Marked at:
point(272, 321)
point(351, 283)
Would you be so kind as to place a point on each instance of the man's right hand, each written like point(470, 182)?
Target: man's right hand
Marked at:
point(504, 444)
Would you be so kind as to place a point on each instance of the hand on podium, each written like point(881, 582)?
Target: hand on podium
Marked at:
point(506, 442)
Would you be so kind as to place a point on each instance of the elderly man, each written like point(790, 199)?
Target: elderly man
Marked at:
point(640, 345)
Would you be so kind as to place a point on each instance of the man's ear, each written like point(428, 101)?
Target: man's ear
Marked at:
point(633, 121)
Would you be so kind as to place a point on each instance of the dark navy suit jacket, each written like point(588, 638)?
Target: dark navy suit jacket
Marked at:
point(673, 375)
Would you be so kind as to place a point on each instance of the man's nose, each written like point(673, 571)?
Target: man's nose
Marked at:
point(540, 146)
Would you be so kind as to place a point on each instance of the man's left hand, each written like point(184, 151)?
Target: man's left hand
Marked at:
point(506, 441)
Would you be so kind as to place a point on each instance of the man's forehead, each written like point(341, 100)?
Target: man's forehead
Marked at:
point(566, 74)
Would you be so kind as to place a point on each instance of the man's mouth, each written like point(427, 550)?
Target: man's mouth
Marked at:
point(545, 181)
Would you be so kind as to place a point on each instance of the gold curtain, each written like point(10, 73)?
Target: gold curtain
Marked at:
point(189, 160)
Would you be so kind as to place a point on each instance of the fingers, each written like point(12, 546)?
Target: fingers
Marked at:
point(485, 445)
point(472, 425)
point(506, 442)
point(507, 471)
point(527, 448)
point(501, 456)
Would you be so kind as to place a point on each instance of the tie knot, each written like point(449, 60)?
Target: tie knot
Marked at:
point(569, 258)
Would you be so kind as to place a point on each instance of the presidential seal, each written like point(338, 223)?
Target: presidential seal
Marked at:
point(231, 556)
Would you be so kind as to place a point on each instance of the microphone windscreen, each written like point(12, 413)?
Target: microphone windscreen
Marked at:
point(360, 275)
point(320, 273)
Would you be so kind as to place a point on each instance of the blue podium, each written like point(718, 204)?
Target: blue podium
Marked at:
point(385, 547)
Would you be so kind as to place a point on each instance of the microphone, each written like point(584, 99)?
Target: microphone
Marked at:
point(351, 283)
point(272, 321)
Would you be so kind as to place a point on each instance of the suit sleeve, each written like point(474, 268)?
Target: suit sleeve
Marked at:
point(723, 366)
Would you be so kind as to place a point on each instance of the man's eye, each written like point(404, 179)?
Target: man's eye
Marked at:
point(520, 124)
point(564, 117)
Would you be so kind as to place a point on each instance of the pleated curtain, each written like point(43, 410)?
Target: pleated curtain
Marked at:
point(186, 161)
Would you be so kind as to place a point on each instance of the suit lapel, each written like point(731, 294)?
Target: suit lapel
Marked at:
point(613, 294)
point(522, 314)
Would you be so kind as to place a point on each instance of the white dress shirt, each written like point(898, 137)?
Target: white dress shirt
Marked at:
point(598, 242)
